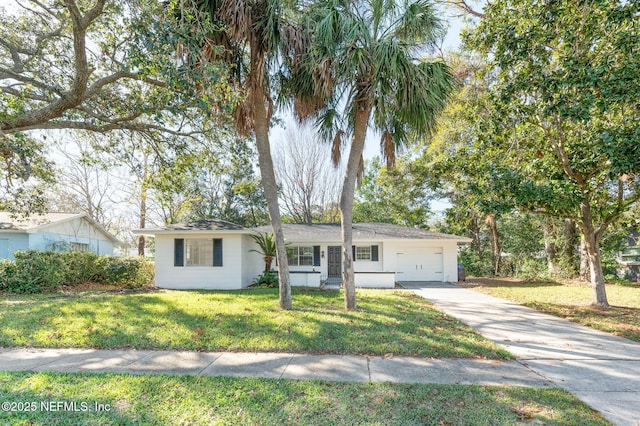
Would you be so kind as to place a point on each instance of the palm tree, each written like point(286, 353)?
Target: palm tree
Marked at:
point(361, 69)
point(249, 32)
point(267, 246)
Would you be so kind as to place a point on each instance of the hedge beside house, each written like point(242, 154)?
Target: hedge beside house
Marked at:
point(42, 271)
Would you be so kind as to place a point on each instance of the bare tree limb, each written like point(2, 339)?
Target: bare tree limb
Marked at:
point(465, 8)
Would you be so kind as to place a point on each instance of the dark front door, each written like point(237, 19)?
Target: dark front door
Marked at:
point(334, 262)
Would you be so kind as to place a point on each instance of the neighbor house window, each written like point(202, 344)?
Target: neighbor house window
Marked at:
point(365, 253)
point(78, 247)
point(300, 255)
point(198, 252)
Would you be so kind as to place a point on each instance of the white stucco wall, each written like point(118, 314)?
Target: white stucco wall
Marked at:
point(375, 279)
point(229, 276)
point(253, 263)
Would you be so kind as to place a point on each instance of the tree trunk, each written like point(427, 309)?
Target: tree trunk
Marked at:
point(476, 236)
point(570, 243)
point(585, 272)
point(550, 248)
point(143, 215)
point(496, 249)
point(346, 204)
point(593, 253)
point(261, 128)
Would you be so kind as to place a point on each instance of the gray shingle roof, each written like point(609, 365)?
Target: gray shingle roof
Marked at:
point(361, 232)
point(328, 232)
point(199, 225)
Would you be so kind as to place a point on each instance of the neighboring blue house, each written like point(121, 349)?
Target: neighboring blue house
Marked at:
point(53, 232)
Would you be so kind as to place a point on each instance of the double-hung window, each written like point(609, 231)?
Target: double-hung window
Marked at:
point(300, 255)
point(198, 252)
point(365, 253)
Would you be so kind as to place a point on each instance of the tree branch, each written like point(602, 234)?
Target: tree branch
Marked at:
point(465, 7)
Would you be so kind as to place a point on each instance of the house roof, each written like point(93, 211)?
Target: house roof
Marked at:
point(37, 222)
point(327, 232)
point(205, 225)
point(361, 232)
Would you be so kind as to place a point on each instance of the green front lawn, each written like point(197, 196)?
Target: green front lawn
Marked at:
point(385, 322)
point(571, 301)
point(171, 400)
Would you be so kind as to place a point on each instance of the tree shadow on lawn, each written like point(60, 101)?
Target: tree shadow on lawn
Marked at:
point(621, 321)
point(161, 399)
point(190, 321)
point(505, 282)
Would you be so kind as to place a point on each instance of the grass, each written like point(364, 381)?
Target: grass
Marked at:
point(571, 301)
point(386, 322)
point(172, 400)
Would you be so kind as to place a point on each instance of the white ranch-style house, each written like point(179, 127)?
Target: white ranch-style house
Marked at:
point(214, 254)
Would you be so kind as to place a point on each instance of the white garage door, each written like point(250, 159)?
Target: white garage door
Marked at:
point(420, 264)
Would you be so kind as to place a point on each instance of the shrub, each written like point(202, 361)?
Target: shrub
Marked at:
point(530, 269)
point(38, 272)
point(129, 271)
point(7, 271)
point(81, 267)
point(267, 280)
point(473, 266)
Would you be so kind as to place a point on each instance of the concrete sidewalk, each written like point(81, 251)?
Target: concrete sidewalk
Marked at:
point(601, 369)
point(274, 365)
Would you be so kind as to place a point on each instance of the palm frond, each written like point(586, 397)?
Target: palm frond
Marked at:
point(336, 148)
point(388, 149)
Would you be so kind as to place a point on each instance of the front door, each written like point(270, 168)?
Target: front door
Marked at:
point(334, 262)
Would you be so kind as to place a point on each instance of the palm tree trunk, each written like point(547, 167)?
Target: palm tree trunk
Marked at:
point(346, 205)
point(271, 192)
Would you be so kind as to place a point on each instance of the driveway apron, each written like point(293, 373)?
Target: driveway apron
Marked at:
point(601, 369)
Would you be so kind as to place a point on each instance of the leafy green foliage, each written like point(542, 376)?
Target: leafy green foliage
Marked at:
point(552, 129)
point(104, 65)
point(398, 195)
point(42, 272)
point(267, 248)
point(268, 279)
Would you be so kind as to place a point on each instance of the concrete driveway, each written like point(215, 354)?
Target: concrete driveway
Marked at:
point(601, 369)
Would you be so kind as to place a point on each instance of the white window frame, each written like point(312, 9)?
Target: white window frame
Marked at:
point(76, 246)
point(363, 253)
point(197, 249)
point(300, 255)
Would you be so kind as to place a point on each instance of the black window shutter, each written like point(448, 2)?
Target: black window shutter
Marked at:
point(316, 255)
point(217, 252)
point(178, 252)
point(353, 253)
point(374, 253)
